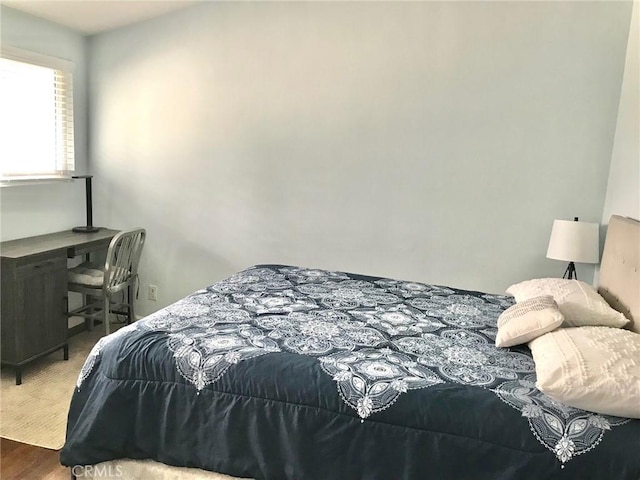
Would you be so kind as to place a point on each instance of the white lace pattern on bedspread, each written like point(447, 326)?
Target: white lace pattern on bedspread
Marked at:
point(376, 339)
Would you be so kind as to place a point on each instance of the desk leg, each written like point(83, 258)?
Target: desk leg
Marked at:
point(65, 351)
point(18, 375)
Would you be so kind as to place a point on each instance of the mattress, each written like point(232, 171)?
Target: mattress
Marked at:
point(281, 372)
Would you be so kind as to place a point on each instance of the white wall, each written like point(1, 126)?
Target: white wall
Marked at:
point(38, 209)
point(428, 141)
point(623, 189)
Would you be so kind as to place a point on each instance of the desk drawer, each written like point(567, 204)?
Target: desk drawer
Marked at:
point(89, 247)
point(41, 267)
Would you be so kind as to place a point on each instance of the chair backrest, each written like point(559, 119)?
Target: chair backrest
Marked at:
point(123, 256)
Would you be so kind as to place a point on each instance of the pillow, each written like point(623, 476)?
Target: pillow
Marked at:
point(592, 368)
point(527, 320)
point(580, 304)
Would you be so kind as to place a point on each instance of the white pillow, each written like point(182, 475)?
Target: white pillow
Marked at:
point(527, 320)
point(580, 304)
point(592, 368)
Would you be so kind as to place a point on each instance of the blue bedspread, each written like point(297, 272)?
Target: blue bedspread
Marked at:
point(289, 373)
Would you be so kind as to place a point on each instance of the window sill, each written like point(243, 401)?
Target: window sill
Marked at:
point(23, 181)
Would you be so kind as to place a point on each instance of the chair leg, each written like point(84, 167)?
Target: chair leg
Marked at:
point(106, 313)
point(131, 317)
point(88, 322)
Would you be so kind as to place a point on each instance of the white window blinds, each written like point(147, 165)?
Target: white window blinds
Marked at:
point(36, 117)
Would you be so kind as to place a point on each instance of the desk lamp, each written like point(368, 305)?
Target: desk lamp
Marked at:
point(88, 228)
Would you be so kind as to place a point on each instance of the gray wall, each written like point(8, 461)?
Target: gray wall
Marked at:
point(426, 141)
point(38, 209)
point(623, 190)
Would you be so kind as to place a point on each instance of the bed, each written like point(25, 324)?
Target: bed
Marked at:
point(288, 373)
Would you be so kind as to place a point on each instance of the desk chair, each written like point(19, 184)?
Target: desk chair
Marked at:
point(119, 273)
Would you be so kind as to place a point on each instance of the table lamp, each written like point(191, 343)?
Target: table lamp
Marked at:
point(574, 242)
point(88, 228)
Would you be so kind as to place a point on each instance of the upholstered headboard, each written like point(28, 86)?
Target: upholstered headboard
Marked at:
point(619, 281)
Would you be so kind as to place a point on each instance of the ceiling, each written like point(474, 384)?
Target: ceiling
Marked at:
point(94, 16)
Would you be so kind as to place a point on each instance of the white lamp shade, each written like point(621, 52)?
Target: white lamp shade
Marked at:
point(574, 241)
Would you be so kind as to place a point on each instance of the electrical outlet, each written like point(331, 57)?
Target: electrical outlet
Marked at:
point(153, 292)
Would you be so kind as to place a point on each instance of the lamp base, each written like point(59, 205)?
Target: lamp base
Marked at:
point(570, 272)
point(86, 229)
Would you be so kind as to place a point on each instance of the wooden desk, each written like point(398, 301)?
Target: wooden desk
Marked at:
point(34, 293)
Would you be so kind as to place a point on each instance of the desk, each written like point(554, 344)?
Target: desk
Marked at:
point(34, 293)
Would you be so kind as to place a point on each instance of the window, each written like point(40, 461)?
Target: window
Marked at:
point(36, 117)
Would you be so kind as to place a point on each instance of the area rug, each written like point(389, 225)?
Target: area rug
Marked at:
point(36, 411)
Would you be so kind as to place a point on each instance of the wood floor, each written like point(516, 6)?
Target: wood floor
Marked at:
point(19, 461)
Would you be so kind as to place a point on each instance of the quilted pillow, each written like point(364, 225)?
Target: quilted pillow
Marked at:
point(527, 320)
point(592, 368)
point(580, 304)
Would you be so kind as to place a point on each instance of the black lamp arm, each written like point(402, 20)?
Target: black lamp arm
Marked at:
point(89, 202)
